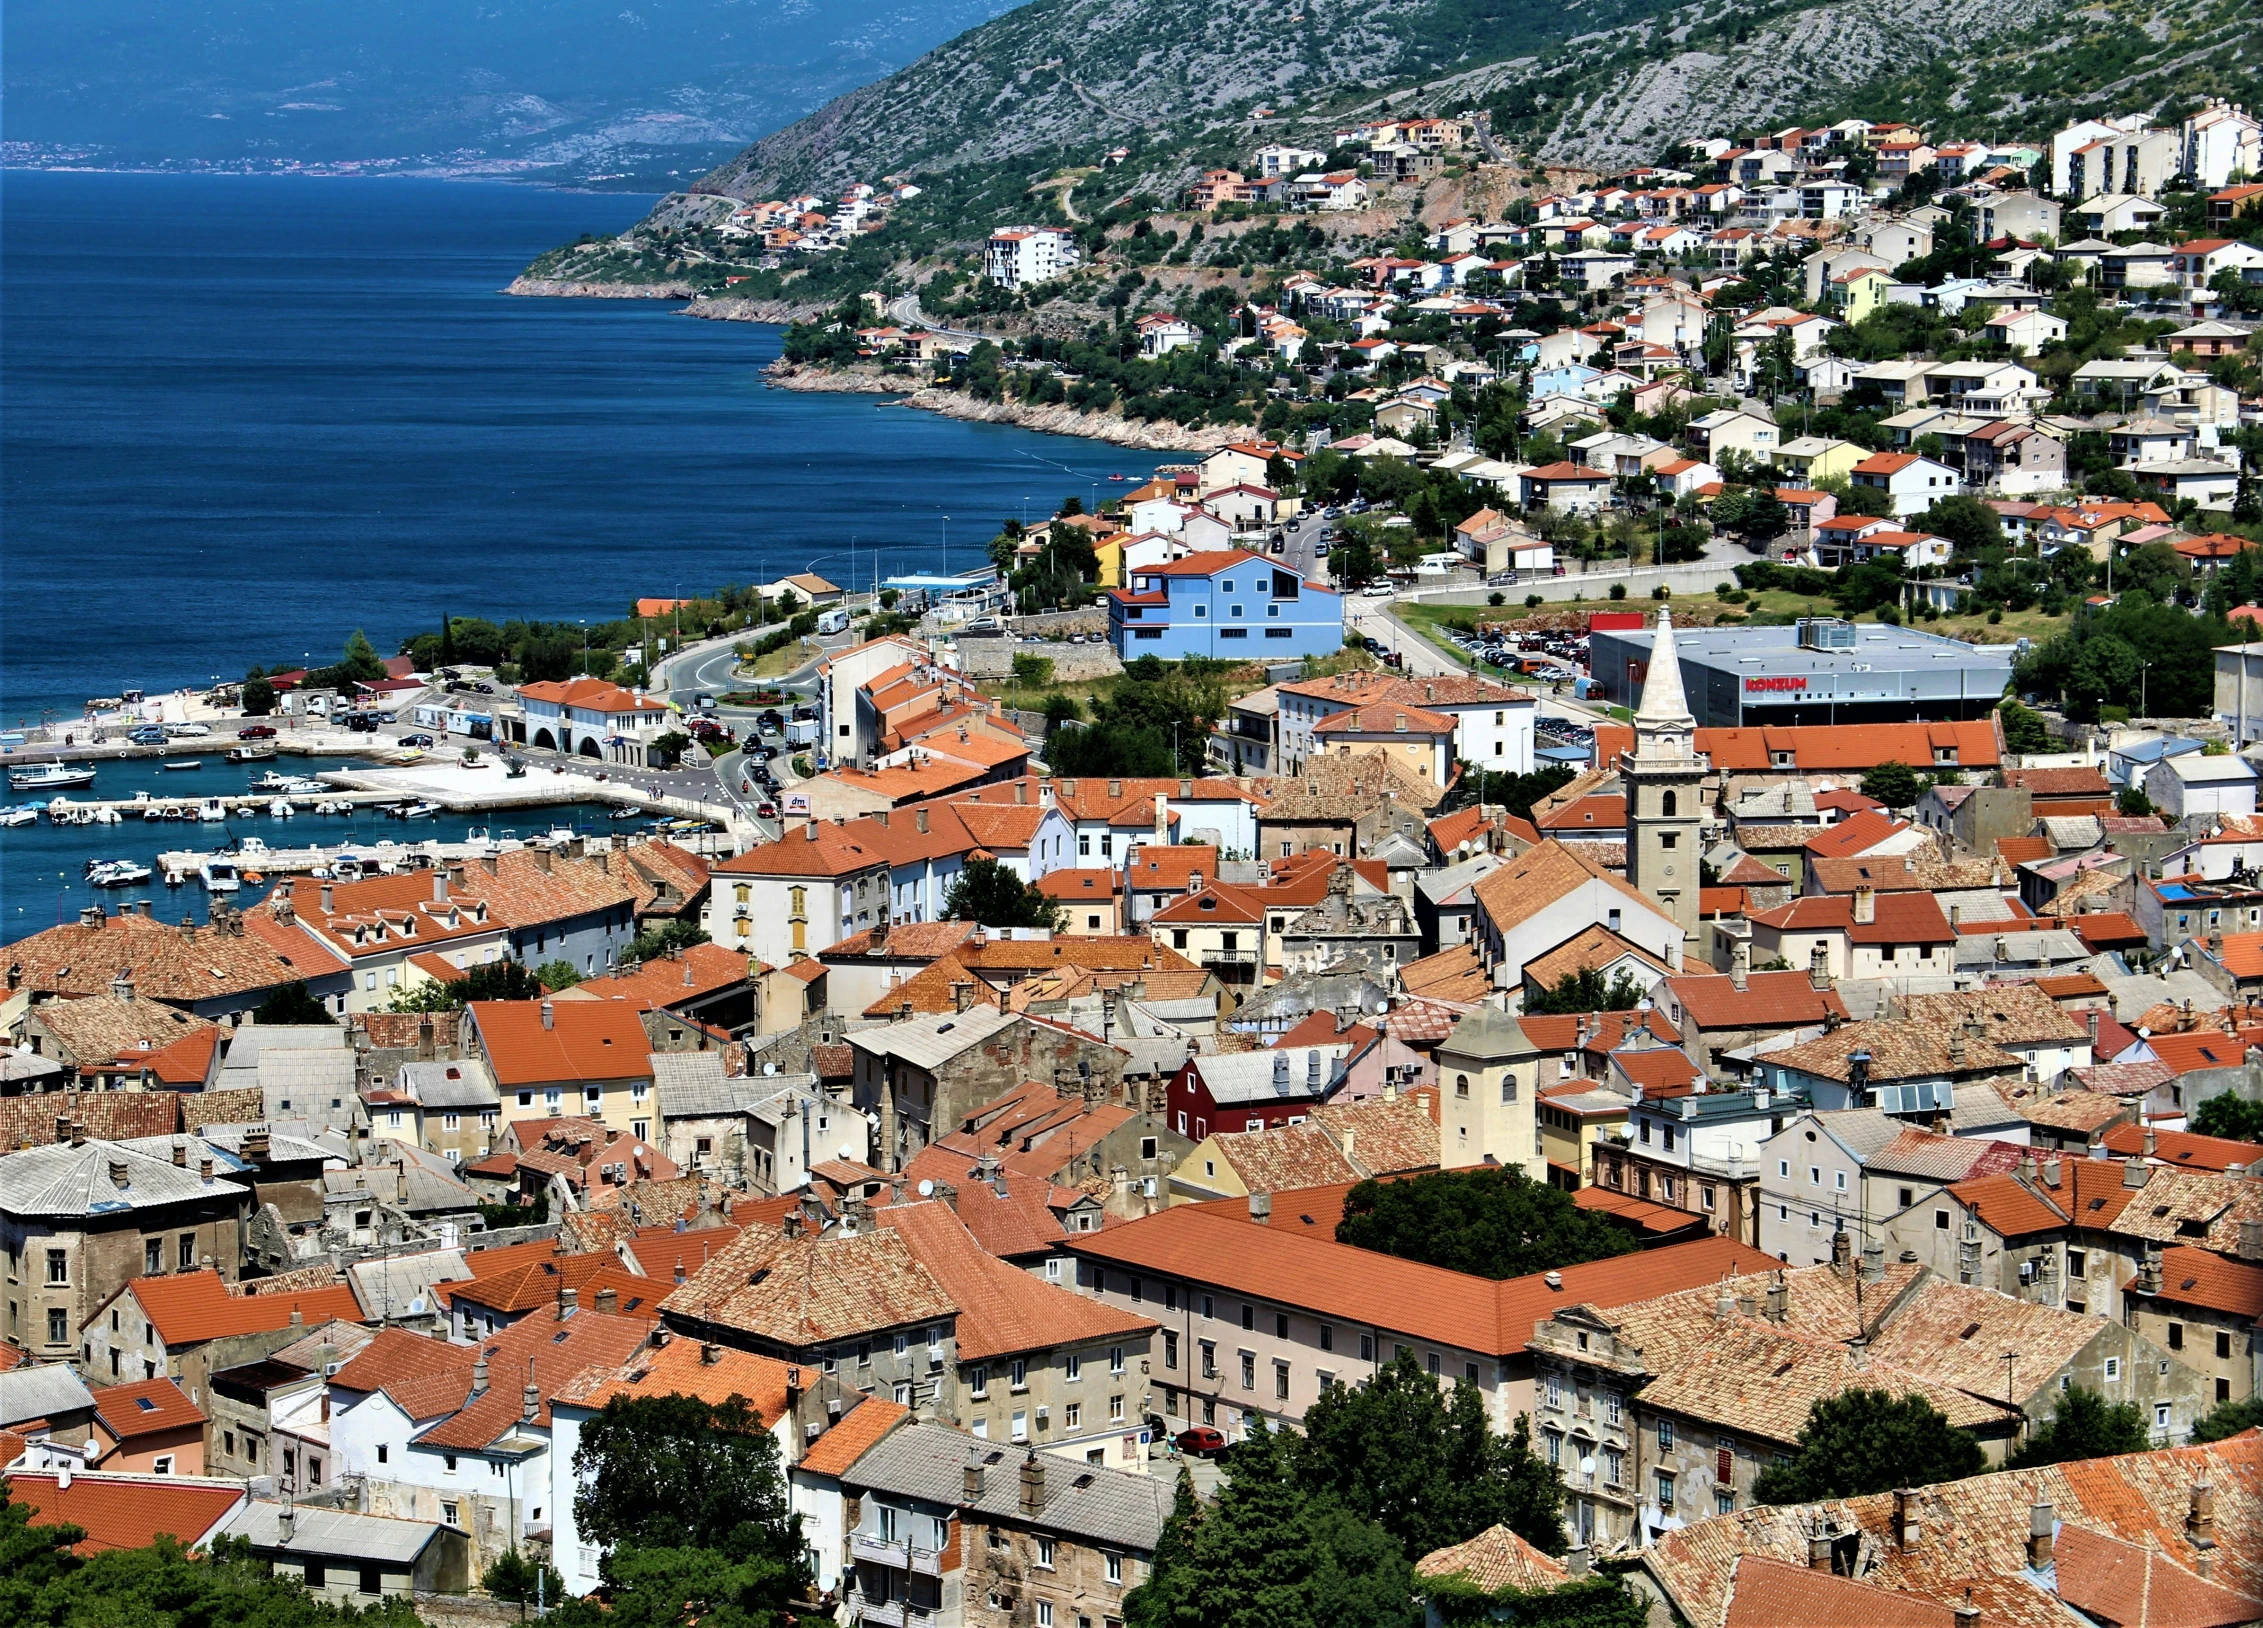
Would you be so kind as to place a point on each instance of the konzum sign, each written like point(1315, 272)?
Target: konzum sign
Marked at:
point(1788, 683)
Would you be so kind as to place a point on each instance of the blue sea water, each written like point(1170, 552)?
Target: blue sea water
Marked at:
point(241, 417)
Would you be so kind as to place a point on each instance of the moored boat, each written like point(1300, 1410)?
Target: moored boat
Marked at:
point(249, 754)
point(50, 777)
point(181, 765)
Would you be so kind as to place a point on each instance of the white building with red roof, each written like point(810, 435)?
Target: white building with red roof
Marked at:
point(587, 717)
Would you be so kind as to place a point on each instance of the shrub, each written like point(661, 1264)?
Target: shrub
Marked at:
point(1531, 601)
point(1618, 590)
point(1496, 598)
point(1661, 592)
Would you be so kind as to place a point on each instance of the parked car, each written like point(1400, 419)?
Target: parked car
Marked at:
point(1202, 1442)
point(256, 732)
point(425, 741)
point(147, 735)
point(188, 732)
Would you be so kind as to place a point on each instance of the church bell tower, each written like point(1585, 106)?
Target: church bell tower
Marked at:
point(1664, 775)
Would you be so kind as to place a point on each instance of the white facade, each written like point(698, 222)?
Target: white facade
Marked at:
point(2195, 783)
point(1023, 255)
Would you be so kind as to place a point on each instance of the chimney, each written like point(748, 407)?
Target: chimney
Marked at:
point(1956, 917)
point(1819, 967)
point(809, 832)
point(962, 994)
point(327, 895)
point(2090, 1021)
point(1261, 1208)
point(1032, 1484)
point(2149, 1271)
point(479, 1375)
point(1842, 1252)
point(1779, 1300)
point(2052, 1171)
point(2134, 1172)
point(2152, 1142)
point(608, 1301)
point(1873, 1263)
point(569, 1302)
point(1906, 1529)
point(1740, 964)
point(119, 1177)
point(549, 1015)
point(971, 1482)
point(255, 1144)
point(2200, 1516)
point(1162, 818)
point(1576, 1560)
point(286, 1524)
point(2040, 1528)
point(1865, 905)
point(530, 1407)
point(710, 1353)
point(439, 887)
point(1819, 1548)
point(204, 1167)
point(424, 1047)
point(180, 1155)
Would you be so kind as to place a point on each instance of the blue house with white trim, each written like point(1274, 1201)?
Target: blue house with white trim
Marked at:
point(1227, 603)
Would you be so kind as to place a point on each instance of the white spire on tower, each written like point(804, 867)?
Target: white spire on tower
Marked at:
point(1663, 703)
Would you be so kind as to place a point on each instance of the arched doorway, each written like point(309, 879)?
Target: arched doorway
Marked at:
point(545, 740)
point(589, 748)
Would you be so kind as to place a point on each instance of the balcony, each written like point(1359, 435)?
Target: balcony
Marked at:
point(897, 1556)
point(888, 1612)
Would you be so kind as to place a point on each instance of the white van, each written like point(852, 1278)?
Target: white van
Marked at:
point(188, 732)
point(833, 621)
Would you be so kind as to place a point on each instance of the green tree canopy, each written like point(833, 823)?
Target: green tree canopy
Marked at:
point(1894, 784)
point(1489, 1223)
point(1422, 1462)
point(987, 892)
point(291, 1004)
point(1864, 1441)
point(2024, 729)
point(676, 1472)
point(258, 698)
point(2230, 1116)
point(556, 975)
point(2224, 1420)
point(489, 981)
point(664, 939)
point(1966, 522)
point(2133, 652)
point(1585, 991)
point(2085, 1426)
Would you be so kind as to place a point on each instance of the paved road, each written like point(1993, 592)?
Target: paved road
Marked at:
point(904, 312)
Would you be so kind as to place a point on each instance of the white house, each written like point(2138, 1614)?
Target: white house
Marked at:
point(1021, 255)
point(1912, 481)
point(2195, 783)
point(587, 717)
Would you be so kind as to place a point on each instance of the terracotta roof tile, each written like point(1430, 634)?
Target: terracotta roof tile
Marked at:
point(860, 1430)
point(109, 1116)
point(125, 1512)
point(1456, 974)
point(1494, 1560)
point(1537, 878)
point(2182, 1150)
point(813, 1289)
point(191, 1307)
point(1820, 748)
point(1593, 948)
point(582, 1040)
point(2200, 1277)
point(147, 1407)
point(1769, 1000)
point(1002, 1309)
point(1769, 1593)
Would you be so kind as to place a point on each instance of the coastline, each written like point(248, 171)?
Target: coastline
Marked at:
point(1050, 420)
point(559, 289)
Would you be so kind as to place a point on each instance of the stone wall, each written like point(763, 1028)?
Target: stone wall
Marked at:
point(991, 659)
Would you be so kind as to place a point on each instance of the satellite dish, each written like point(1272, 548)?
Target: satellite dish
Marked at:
point(847, 1152)
point(926, 1189)
point(1587, 1465)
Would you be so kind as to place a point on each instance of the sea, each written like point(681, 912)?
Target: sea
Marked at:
point(243, 417)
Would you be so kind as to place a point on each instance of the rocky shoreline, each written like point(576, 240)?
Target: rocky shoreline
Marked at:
point(1050, 420)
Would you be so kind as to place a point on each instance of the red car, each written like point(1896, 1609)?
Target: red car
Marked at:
point(256, 732)
point(1201, 1441)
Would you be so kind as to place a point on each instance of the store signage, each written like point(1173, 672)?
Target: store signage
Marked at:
point(1787, 683)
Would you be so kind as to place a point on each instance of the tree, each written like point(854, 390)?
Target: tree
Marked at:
point(678, 1472)
point(523, 1580)
point(1966, 522)
point(2224, 1420)
point(1270, 1554)
point(987, 892)
point(665, 939)
point(489, 981)
point(1486, 1222)
point(1429, 1471)
point(1894, 784)
point(290, 1003)
point(2229, 1116)
point(1863, 1441)
point(2131, 803)
point(2024, 729)
point(1032, 670)
point(2085, 1426)
point(557, 975)
point(1584, 991)
point(259, 697)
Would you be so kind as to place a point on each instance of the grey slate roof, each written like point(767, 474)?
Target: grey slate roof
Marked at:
point(928, 1042)
point(1442, 886)
point(225, 1142)
point(325, 1533)
point(442, 1084)
point(1861, 1131)
point(928, 1462)
point(48, 1390)
point(1264, 1076)
point(60, 1179)
point(401, 1285)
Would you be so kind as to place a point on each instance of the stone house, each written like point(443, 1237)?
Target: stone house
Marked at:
point(921, 1076)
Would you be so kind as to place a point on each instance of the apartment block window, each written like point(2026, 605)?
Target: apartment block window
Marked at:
point(1115, 1565)
point(1281, 1380)
point(1367, 1348)
point(1280, 1325)
point(152, 1256)
point(1072, 1415)
point(1209, 1308)
point(188, 1251)
point(1021, 1425)
point(1555, 1390)
point(2113, 1370)
point(1249, 1370)
point(1021, 1374)
point(2160, 1416)
point(2223, 1343)
point(58, 1266)
point(1665, 1435)
point(1665, 1491)
point(1614, 1463)
point(1116, 1409)
point(978, 1382)
point(1327, 1336)
point(58, 1326)
point(1072, 1368)
point(1044, 1614)
point(1209, 1360)
point(2176, 1336)
point(1045, 1553)
point(1555, 1441)
point(1115, 1359)
point(1170, 1349)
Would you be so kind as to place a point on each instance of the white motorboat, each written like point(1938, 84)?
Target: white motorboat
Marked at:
point(50, 777)
point(219, 875)
point(13, 817)
point(211, 809)
point(414, 811)
point(300, 785)
point(335, 805)
point(279, 809)
point(117, 873)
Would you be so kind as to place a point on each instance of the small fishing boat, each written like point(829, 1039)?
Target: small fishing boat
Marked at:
point(13, 817)
point(181, 765)
point(50, 777)
point(212, 809)
point(414, 811)
point(219, 875)
point(280, 809)
point(116, 873)
point(249, 754)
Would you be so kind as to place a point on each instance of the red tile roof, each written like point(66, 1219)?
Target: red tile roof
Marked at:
point(2192, 1276)
point(2182, 1149)
point(1769, 1000)
point(190, 1307)
point(1816, 747)
point(1002, 1309)
point(862, 1429)
point(1768, 1593)
point(125, 1511)
point(148, 1407)
point(1898, 918)
point(583, 1040)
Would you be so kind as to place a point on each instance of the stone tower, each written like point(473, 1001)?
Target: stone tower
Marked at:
point(1663, 775)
